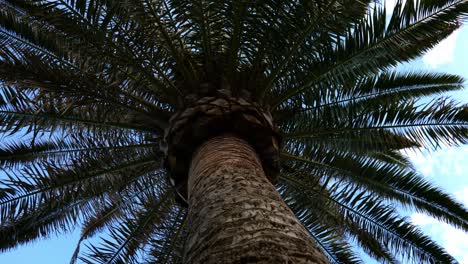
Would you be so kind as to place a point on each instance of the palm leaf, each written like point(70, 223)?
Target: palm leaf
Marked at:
point(422, 25)
point(89, 89)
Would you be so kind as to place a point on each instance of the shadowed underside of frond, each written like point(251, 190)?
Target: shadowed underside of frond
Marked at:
point(88, 90)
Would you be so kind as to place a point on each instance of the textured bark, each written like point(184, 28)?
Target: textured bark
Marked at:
point(236, 215)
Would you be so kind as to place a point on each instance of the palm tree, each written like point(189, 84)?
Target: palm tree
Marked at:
point(224, 131)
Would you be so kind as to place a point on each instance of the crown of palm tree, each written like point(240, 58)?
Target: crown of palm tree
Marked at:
point(88, 88)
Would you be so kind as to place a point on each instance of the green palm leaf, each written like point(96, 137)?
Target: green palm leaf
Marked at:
point(93, 95)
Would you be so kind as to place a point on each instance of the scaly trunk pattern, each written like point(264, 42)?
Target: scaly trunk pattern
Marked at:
point(236, 215)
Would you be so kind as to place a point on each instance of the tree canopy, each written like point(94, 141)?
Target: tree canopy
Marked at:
point(88, 87)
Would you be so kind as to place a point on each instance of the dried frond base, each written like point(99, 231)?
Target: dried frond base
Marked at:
point(213, 116)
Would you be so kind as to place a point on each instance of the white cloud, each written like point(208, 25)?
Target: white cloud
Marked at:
point(423, 163)
point(454, 241)
point(446, 166)
point(390, 4)
point(443, 53)
point(422, 219)
point(462, 196)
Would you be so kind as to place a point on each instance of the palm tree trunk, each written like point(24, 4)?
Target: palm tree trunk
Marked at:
point(236, 215)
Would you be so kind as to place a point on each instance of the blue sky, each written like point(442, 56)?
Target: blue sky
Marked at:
point(446, 167)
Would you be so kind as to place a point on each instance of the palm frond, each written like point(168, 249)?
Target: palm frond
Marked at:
point(14, 155)
point(318, 216)
point(169, 247)
point(126, 237)
point(393, 183)
point(334, 12)
point(32, 201)
point(89, 88)
point(393, 232)
point(430, 125)
point(373, 44)
point(374, 89)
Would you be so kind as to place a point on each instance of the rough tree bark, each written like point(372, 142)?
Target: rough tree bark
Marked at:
point(236, 215)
